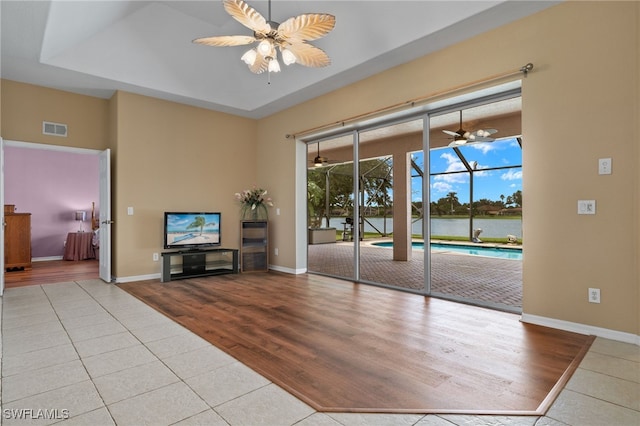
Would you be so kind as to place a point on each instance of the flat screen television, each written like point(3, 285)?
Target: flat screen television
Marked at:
point(191, 230)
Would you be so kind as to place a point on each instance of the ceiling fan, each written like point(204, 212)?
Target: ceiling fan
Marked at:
point(461, 136)
point(290, 38)
point(320, 161)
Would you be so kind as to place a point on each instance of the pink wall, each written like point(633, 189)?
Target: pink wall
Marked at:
point(51, 185)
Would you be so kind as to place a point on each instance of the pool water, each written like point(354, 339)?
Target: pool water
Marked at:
point(501, 253)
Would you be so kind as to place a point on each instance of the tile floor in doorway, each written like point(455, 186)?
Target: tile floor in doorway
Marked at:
point(88, 353)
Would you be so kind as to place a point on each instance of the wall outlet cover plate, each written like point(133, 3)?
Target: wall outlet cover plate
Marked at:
point(586, 206)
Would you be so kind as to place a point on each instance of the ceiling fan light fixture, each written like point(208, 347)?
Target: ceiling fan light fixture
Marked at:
point(288, 57)
point(265, 47)
point(249, 57)
point(274, 65)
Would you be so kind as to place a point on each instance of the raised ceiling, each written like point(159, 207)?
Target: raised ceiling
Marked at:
point(144, 47)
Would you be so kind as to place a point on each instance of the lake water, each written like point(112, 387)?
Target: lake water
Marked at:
point(494, 228)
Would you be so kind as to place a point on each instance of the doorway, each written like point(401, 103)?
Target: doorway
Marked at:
point(53, 230)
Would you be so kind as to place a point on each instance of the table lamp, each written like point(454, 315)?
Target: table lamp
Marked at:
point(80, 216)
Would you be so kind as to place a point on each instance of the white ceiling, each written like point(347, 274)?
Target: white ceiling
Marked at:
point(96, 47)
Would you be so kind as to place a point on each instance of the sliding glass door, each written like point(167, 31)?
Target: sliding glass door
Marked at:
point(416, 204)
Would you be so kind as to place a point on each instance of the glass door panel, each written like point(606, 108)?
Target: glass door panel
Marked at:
point(476, 208)
point(385, 206)
point(330, 206)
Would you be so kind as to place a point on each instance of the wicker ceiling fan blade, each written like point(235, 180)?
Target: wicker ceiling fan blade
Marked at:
point(260, 65)
point(309, 56)
point(246, 15)
point(236, 40)
point(310, 26)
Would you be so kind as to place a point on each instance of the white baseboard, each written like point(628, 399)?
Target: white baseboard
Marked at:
point(287, 270)
point(119, 280)
point(45, 259)
point(582, 328)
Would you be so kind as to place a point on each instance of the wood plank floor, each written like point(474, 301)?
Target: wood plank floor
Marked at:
point(53, 271)
point(341, 346)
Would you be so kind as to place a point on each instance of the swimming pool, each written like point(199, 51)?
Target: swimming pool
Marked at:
point(501, 253)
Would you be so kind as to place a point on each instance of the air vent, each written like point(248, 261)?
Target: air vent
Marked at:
point(54, 129)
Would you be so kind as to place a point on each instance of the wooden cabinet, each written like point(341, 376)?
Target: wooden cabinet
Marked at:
point(17, 241)
point(254, 246)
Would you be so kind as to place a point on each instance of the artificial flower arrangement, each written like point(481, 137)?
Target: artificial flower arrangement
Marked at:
point(254, 203)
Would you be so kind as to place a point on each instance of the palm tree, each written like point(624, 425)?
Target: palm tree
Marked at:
point(198, 222)
point(452, 197)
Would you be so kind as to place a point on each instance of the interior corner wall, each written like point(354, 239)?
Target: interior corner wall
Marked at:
point(579, 104)
point(174, 157)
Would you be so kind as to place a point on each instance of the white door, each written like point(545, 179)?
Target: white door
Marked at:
point(105, 215)
point(2, 217)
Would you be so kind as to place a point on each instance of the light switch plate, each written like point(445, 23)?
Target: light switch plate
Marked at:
point(586, 206)
point(130, 211)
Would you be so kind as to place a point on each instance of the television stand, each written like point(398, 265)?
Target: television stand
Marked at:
point(198, 263)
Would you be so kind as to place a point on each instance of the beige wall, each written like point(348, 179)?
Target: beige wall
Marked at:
point(172, 157)
point(579, 104)
point(25, 107)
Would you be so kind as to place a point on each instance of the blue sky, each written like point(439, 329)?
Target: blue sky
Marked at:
point(488, 184)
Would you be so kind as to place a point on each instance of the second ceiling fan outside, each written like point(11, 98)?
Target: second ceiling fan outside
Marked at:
point(462, 136)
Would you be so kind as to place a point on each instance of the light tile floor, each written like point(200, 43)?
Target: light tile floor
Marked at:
point(88, 353)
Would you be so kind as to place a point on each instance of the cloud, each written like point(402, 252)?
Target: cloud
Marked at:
point(441, 187)
point(453, 162)
point(484, 147)
point(482, 173)
point(453, 178)
point(512, 175)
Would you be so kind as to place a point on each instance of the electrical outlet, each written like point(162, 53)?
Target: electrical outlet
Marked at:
point(604, 166)
point(594, 295)
point(275, 251)
point(586, 206)
point(156, 257)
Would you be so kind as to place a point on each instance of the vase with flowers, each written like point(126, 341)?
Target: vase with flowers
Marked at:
point(254, 203)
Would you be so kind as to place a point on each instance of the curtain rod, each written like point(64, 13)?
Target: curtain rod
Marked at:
point(412, 102)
